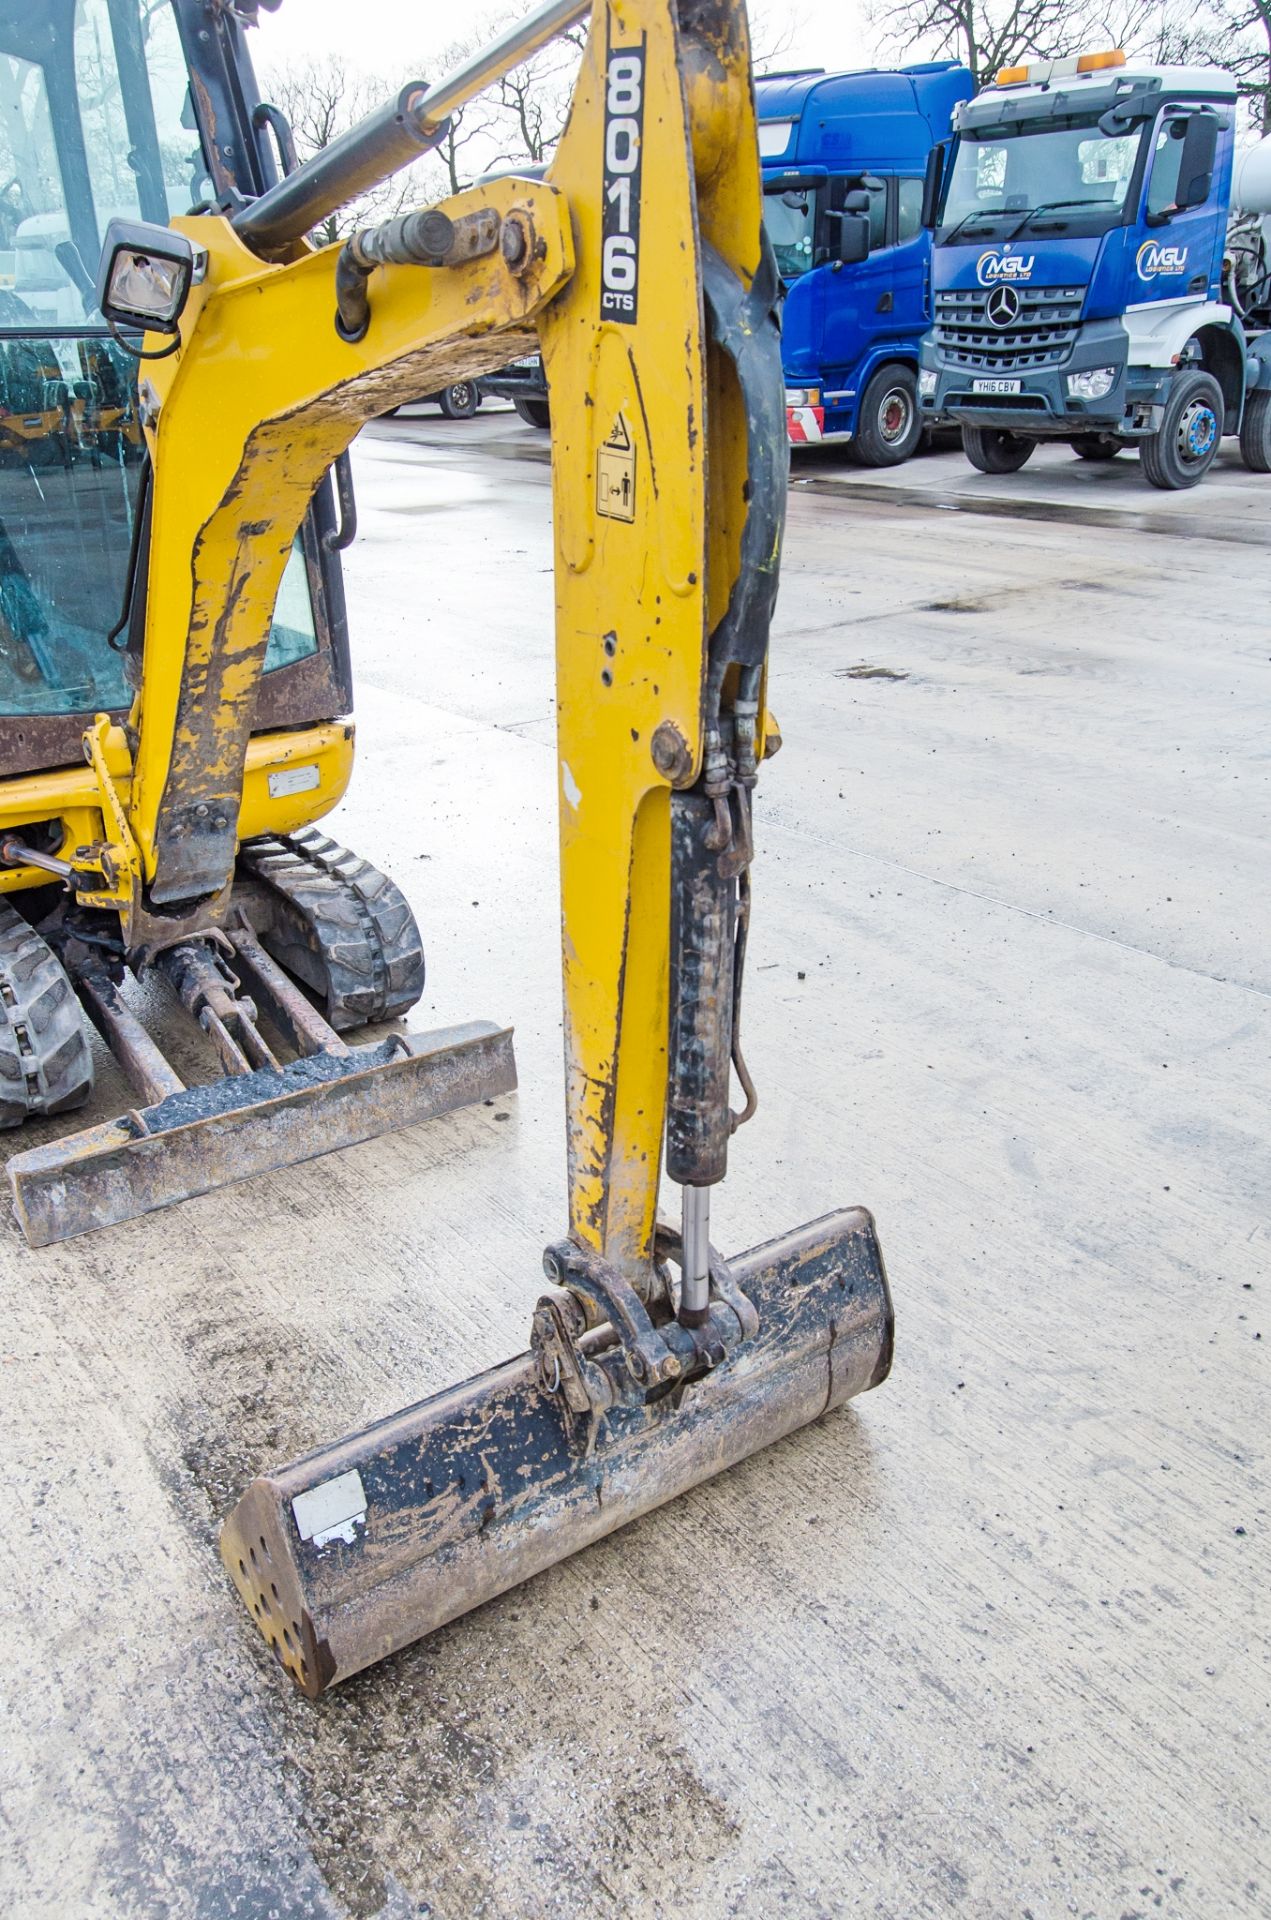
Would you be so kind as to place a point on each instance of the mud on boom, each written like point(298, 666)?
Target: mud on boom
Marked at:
point(1081, 272)
point(637, 267)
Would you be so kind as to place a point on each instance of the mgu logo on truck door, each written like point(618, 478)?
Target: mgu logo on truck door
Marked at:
point(1152, 258)
point(992, 267)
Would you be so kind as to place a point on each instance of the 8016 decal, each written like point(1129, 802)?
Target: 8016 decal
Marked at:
point(624, 148)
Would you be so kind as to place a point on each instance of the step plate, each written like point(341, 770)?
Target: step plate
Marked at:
point(205, 1137)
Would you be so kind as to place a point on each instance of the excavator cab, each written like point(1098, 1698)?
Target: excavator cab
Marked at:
point(124, 110)
point(98, 111)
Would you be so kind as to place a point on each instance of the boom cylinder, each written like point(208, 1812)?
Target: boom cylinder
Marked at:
point(372, 151)
point(393, 135)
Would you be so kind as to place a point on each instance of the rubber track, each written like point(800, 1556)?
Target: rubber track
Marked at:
point(46, 1062)
point(349, 933)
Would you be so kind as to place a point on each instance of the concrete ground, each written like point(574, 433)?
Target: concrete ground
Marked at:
point(991, 1642)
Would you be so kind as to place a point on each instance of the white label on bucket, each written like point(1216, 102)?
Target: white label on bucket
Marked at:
point(292, 780)
point(331, 1511)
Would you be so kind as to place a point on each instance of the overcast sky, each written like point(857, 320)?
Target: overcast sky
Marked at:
point(390, 36)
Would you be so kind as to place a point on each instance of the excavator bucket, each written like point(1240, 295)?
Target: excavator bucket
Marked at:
point(368, 1544)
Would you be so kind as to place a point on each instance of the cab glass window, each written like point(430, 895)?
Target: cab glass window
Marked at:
point(95, 122)
point(908, 209)
point(1105, 166)
point(789, 218)
point(877, 218)
point(1167, 155)
point(106, 132)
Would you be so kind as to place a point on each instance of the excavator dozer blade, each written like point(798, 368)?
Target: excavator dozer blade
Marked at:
point(373, 1542)
point(208, 1136)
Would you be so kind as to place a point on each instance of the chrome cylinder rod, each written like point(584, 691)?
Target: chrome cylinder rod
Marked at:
point(695, 1281)
point(516, 44)
point(393, 135)
point(15, 853)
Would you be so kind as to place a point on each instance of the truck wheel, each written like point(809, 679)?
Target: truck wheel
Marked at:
point(1255, 433)
point(1096, 446)
point(994, 450)
point(535, 413)
point(460, 401)
point(1187, 445)
point(890, 424)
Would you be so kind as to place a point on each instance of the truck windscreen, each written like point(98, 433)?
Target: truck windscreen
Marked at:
point(1004, 178)
point(789, 218)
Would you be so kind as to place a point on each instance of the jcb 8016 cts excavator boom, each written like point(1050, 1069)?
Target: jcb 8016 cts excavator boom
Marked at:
point(639, 266)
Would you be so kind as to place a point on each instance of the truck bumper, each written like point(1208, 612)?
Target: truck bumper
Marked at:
point(1041, 404)
point(813, 416)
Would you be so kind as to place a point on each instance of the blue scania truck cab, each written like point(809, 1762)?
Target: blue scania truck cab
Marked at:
point(844, 160)
point(1080, 218)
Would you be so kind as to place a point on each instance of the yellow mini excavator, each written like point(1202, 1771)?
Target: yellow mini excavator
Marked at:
point(638, 267)
point(172, 722)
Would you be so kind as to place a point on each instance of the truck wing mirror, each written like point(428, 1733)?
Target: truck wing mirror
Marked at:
point(932, 182)
point(1196, 167)
point(853, 239)
point(857, 201)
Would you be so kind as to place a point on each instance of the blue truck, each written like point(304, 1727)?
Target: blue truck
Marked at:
point(844, 163)
point(1081, 274)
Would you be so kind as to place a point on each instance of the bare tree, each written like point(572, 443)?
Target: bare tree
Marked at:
point(534, 100)
point(322, 99)
point(518, 122)
point(1232, 34)
point(772, 34)
point(988, 34)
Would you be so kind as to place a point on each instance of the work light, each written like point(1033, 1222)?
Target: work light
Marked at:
point(145, 275)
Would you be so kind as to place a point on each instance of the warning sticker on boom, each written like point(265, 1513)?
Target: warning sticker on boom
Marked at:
point(624, 139)
point(615, 474)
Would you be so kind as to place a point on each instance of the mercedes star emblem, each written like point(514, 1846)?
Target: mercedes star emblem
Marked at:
point(1002, 306)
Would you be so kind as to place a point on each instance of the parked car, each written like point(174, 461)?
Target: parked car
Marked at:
point(459, 401)
point(523, 383)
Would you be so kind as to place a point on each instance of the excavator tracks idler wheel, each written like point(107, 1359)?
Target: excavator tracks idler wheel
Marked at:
point(46, 1061)
point(337, 923)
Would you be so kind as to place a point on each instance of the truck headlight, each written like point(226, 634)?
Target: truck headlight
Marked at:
point(803, 396)
point(145, 275)
point(927, 378)
point(1094, 384)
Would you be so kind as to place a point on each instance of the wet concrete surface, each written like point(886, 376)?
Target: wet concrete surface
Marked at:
point(990, 1642)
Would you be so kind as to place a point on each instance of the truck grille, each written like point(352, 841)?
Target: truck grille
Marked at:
point(1042, 336)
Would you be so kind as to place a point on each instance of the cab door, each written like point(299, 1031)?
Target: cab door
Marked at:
point(98, 119)
point(1178, 254)
point(910, 256)
point(854, 296)
point(884, 298)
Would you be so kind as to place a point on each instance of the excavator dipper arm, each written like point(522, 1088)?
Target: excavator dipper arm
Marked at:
point(655, 312)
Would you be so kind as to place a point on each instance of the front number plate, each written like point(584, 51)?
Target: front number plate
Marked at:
point(996, 386)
